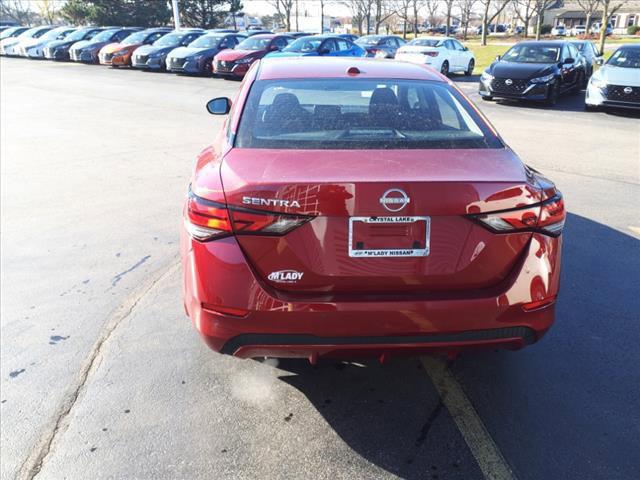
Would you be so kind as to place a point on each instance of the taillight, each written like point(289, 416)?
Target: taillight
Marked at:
point(430, 54)
point(208, 220)
point(546, 217)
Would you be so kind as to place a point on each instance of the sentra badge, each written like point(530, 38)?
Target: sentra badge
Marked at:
point(270, 202)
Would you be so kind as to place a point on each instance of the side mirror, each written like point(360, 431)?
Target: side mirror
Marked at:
point(498, 57)
point(600, 61)
point(324, 51)
point(219, 106)
point(569, 61)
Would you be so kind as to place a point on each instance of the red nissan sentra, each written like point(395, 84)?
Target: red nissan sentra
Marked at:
point(235, 62)
point(352, 207)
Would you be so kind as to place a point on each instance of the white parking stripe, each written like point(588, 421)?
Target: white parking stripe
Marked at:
point(475, 434)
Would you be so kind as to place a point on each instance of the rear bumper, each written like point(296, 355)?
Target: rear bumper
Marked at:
point(308, 346)
point(238, 315)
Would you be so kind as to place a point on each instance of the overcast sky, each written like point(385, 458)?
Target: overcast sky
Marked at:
point(262, 7)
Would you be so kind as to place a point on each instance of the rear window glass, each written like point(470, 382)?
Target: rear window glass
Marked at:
point(359, 114)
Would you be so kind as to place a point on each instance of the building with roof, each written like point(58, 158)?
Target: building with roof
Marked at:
point(569, 13)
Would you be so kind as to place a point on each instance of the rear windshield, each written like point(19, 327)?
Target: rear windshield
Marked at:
point(360, 114)
point(369, 40)
point(425, 42)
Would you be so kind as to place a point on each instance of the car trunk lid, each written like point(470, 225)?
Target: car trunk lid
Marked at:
point(412, 201)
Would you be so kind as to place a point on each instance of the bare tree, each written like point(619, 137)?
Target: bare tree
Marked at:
point(498, 6)
point(541, 7)
point(360, 13)
point(283, 9)
point(48, 11)
point(17, 10)
point(416, 6)
point(448, 7)
point(402, 11)
point(432, 11)
point(383, 11)
point(525, 9)
point(607, 11)
point(589, 7)
point(466, 9)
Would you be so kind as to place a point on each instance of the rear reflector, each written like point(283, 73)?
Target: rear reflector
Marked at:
point(538, 304)
point(228, 311)
point(430, 54)
point(208, 220)
point(546, 217)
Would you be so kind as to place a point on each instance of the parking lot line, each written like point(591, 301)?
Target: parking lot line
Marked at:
point(490, 460)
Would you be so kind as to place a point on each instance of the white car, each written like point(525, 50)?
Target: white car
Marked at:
point(579, 30)
point(34, 47)
point(441, 53)
point(559, 31)
point(617, 82)
point(9, 46)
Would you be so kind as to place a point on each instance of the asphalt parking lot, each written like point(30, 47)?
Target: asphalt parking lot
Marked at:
point(102, 375)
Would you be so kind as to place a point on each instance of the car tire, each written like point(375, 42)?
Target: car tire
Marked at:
point(444, 69)
point(552, 99)
point(486, 98)
point(469, 71)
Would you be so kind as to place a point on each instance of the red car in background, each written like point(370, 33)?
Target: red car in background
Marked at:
point(234, 63)
point(354, 208)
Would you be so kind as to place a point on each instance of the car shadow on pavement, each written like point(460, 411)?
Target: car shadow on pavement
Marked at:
point(568, 102)
point(461, 78)
point(562, 408)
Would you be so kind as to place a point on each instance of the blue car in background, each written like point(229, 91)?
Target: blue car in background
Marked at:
point(321, 45)
point(381, 46)
point(154, 57)
point(59, 49)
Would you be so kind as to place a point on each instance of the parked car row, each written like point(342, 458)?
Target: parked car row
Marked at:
point(562, 31)
point(544, 70)
point(529, 70)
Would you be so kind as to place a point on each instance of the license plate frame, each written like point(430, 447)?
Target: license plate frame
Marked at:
point(390, 252)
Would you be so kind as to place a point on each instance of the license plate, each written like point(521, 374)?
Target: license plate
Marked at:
point(389, 236)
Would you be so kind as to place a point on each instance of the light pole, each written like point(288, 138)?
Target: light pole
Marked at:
point(176, 14)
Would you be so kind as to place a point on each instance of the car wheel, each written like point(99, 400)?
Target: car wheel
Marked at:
point(444, 69)
point(472, 65)
point(487, 98)
point(552, 99)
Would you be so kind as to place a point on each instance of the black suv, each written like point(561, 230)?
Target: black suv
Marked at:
point(535, 71)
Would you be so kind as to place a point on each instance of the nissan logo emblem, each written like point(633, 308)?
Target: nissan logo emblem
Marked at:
point(394, 200)
point(508, 81)
point(628, 90)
